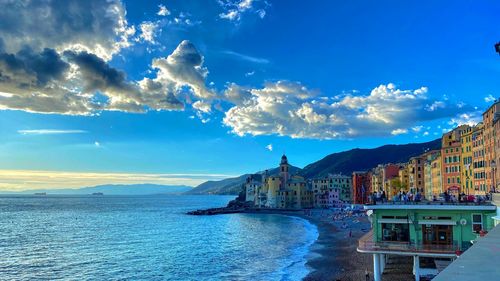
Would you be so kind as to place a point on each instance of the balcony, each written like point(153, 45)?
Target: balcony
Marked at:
point(366, 244)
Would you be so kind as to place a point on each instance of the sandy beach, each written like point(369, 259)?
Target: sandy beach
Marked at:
point(334, 255)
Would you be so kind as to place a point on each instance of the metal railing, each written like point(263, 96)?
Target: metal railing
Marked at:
point(367, 243)
point(425, 202)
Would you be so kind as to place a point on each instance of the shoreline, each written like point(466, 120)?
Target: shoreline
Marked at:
point(333, 255)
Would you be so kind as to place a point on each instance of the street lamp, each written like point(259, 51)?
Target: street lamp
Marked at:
point(493, 168)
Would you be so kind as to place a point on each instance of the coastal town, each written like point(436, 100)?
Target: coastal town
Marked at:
point(430, 209)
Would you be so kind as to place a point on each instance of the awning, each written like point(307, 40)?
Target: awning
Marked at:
point(497, 218)
point(437, 222)
point(392, 221)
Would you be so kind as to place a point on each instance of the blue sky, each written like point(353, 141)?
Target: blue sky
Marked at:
point(206, 88)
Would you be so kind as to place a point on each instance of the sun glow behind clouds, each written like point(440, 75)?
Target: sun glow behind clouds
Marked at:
point(17, 180)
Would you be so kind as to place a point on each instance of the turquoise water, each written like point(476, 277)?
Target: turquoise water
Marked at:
point(146, 238)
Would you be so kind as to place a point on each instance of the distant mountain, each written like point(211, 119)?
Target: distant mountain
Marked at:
point(115, 189)
point(231, 186)
point(345, 162)
point(359, 159)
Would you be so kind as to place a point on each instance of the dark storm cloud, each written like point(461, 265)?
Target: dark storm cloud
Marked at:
point(97, 74)
point(98, 26)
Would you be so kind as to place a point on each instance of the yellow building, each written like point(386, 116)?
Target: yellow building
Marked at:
point(437, 177)
point(404, 179)
point(466, 167)
point(282, 190)
point(429, 181)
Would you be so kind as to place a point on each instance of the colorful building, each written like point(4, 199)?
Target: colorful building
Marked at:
point(319, 187)
point(437, 178)
point(343, 185)
point(429, 177)
point(416, 174)
point(361, 187)
point(478, 161)
point(466, 166)
point(404, 178)
point(252, 185)
point(496, 132)
point(282, 190)
point(489, 117)
point(427, 230)
point(451, 150)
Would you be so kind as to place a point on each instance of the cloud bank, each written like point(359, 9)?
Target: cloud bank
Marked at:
point(287, 108)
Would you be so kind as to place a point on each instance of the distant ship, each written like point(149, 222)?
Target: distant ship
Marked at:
point(97, 193)
point(41, 193)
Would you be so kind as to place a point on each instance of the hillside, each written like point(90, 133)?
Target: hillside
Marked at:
point(114, 189)
point(358, 159)
point(231, 185)
point(344, 162)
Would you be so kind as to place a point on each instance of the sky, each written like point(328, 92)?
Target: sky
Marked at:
point(179, 92)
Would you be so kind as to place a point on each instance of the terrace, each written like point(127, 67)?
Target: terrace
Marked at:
point(438, 205)
point(368, 245)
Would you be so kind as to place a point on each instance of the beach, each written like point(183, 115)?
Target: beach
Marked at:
point(333, 256)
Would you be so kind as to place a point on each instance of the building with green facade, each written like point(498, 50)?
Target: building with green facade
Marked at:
point(423, 230)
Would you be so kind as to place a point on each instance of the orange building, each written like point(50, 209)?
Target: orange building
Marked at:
point(416, 174)
point(451, 148)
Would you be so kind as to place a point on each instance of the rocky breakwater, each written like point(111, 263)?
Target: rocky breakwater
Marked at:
point(234, 206)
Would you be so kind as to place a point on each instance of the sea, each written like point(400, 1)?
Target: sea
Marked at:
point(146, 238)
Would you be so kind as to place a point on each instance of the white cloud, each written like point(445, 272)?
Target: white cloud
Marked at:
point(148, 31)
point(233, 10)
point(437, 105)
point(183, 68)
point(269, 147)
point(290, 109)
point(230, 15)
point(248, 74)
point(50, 132)
point(97, 144)
point(163, 11)
point(202, 106)
point(417, 129)
point(469, 118)
point(399, 132)
point(490, 98)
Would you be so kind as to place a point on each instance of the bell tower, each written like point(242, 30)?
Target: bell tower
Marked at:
point(284, 170)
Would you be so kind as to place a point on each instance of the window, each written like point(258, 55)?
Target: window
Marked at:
point(477, 222)
point(395, 232)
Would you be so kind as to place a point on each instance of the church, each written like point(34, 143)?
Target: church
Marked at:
point(281, 190)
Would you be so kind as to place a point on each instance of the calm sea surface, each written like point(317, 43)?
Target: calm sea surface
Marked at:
point(146, 238)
